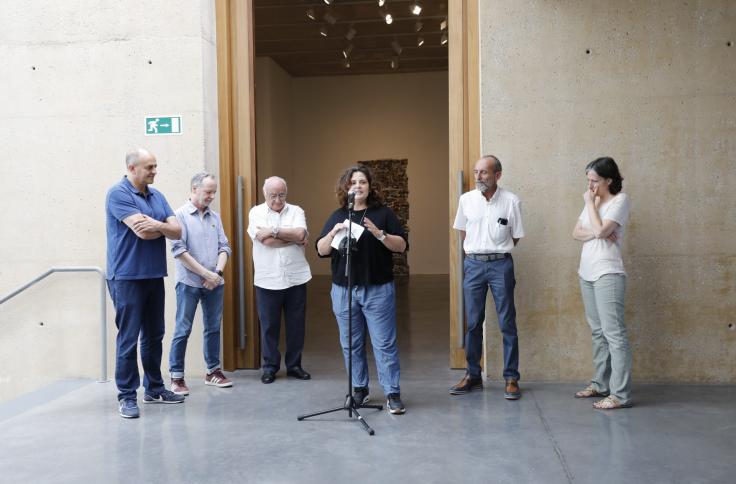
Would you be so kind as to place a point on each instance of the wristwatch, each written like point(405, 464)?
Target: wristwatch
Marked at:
point(275, 232)
point(382, 236)
point(219, 272)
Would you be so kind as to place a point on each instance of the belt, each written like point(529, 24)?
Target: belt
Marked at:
point(487, 257)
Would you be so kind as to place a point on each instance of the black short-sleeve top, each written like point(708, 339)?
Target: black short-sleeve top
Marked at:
point(371, 261)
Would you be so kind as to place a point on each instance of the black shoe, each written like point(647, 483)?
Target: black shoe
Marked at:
point(298, 372)
point(466, 384)
point(361, 396)
point(268, 376)
point(394, 405)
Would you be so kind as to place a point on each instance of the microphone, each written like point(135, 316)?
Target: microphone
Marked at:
point(351, 199)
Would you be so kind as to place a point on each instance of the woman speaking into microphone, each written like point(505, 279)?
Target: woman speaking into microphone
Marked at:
point(377, 233)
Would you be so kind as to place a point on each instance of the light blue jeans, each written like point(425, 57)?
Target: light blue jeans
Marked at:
point(604, 309)
point(187, 298)
point(374, 307)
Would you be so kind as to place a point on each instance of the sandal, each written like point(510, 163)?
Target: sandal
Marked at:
point(589, 392)
point(610, 403)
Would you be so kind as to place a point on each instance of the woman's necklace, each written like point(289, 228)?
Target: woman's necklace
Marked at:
point(365, 211)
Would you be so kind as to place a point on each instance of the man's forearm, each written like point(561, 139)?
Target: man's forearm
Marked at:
point(295, 234)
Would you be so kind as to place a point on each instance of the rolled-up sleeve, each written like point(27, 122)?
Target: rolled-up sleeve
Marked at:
point(178, 247)
point(517, 227)
point(222, 243)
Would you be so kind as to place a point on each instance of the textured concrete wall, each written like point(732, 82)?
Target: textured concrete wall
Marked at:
point(77, 79)
point(650, 83)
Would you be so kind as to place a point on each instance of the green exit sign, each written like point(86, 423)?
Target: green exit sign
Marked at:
point(160, 125)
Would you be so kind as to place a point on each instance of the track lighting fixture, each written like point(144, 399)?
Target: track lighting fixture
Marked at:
point(329, 18)
point(420, 41)
point(415, 8)
point(397, 47)
point(323, 31)
point(328, 2)
point(443, 39)
point(346, 63)
point(381, 3)
point(310, 14)
point(388, 18)
point(347, 50)
point(395, 63)
point(443, 25)
point(418, 26)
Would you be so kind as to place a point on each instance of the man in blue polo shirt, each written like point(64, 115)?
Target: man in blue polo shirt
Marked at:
point(138, 220)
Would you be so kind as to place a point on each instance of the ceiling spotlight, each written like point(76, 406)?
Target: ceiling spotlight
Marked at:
point(346, 63)
point(397, 47)
point(323, 31)
point(418, 26)
point(395, 63)
point(310, 14)
point(388, 18)
point(328, 2)
point(347, 50)
point(329, 18)
point(350, 33)
point(381, 3)
point(415, 8)
point(443, 25)
point(443, 39)
point(420, 41)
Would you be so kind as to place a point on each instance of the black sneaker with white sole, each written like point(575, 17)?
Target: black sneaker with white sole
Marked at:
point(166, 396)
point(361, 395)
point(394, 405)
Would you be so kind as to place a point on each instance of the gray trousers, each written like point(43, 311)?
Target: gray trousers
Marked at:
point(604, 309)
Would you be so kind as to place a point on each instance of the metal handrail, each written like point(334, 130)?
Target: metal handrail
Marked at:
point(103, 307)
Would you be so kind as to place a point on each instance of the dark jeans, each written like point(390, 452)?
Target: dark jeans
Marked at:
point(139, 312)
point(499, 276)
point(271, 303)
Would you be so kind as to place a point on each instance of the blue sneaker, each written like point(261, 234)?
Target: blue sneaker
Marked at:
point(129, 408)
point(166, 396)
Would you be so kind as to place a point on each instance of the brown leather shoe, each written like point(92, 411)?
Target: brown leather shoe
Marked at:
point(512, 391)
point(466, 384)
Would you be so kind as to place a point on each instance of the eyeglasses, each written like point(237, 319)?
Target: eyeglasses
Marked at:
point(274, 196)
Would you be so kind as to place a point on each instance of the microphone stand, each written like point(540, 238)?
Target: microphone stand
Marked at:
point(350, 405)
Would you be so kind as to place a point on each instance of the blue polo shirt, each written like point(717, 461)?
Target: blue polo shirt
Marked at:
point(129, 256)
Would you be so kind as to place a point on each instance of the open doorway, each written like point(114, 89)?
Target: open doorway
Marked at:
point(311, 124)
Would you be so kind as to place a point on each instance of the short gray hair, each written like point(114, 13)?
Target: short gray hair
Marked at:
point(132, 157)
point(274, 179)
point(199, 178)
point(496, 162)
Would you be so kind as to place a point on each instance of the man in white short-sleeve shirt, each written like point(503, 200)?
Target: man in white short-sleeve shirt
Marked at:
point(489, 218)
point(281, 271)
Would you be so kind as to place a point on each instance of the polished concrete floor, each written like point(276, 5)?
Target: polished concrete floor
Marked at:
point(71, 432)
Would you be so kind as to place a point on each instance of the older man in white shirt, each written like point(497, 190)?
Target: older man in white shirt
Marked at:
point(279, 234)
point(489, 218)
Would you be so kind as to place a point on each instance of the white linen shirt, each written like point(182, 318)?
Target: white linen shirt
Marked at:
point(601, 256)
point(278, 267)
point(480, 219)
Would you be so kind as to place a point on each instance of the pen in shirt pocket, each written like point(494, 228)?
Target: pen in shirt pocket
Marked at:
point(503, 221)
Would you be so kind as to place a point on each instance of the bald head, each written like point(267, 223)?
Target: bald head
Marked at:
point(134, 156)
point(491, 163)
point(274, 184)
point(274, 191)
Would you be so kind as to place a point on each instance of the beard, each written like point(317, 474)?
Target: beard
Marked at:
point(481, 187)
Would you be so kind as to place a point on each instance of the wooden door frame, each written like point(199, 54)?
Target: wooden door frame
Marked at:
point(464, 141)
point(236, 119)
point(236, 104)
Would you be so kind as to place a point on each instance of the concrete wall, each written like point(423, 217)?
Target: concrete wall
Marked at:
point(339, 121)
point(656, 92)
point(78, 79)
